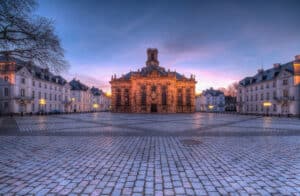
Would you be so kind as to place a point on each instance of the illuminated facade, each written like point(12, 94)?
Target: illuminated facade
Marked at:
point(211, 100)
point(26, 88)
point(273, 91)
point(100, 101)
point(153, 89)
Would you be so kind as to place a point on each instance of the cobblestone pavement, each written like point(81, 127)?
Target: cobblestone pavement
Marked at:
point(129, 154)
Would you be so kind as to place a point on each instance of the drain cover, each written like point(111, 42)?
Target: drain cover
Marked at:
point(190, 142)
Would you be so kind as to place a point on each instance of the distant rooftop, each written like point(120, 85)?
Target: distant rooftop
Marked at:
point(37, 72)
point(77, 85)
point(269, 74)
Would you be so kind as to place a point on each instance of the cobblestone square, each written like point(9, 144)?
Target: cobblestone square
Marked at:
point(144, 154)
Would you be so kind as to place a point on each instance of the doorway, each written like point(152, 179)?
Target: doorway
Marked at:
point(153, 108)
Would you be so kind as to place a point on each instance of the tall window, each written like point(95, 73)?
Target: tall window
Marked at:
point(126, 97)
point(6, 92)
point(188, 97)
point(118, 97)
point(164, 95)
point(285, 93)
point(179, 97)
point(23, 80)
point(285, 82)
point(22, 92)
point(33, 94)
point(143, 96)
point(6, 78)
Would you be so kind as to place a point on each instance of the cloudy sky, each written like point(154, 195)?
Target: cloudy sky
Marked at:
point(218, 41)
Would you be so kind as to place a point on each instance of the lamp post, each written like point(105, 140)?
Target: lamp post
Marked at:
point(210, 107)
point(95, 106)
point(42, 103)
point(267, 105)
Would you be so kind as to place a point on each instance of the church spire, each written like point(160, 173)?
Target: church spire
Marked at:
point(152, 54)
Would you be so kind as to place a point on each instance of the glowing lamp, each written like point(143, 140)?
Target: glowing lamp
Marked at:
point(42, 102)
point(73, 99)
point(267, 104)
point(211, 107)
point(95, 105)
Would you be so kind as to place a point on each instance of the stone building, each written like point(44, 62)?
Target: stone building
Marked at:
point(211, 100)
point(26, 88)
point(81, 97)
point(274, 91)
point(153, 89)
point(100, 101)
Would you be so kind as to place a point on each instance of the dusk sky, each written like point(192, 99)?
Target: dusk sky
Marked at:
point(218, 41)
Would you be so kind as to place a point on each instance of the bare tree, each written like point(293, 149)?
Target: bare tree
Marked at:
point(231, 90)
point(28, 37)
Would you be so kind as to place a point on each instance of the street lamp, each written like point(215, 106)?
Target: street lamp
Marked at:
point(42, 102)
point(211, 107)
point(95, 106)
point(267, 105)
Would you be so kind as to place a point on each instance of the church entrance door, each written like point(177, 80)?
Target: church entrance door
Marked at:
point(153, 108)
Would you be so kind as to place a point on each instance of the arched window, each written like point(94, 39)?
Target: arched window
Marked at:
point(126, 97)
point(179, 97)
point(118, 97)
point(188, 97)
point(143, 96)
point(164, 95)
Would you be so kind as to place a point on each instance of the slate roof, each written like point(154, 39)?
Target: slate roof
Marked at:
point(212, 92)
point(96, 91)
point(267, 75)
point(148, 69)
point(37, 72)
point(77, 85)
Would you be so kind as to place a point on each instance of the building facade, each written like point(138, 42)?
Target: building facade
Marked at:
point(274, 91)
point(230, 104)
point(26, 88)
point(100, 101)
point(211, 100)
point(153, 89)
point(81, 97)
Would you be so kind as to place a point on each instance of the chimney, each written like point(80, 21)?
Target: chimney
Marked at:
point(297, 57)
point(276, 65)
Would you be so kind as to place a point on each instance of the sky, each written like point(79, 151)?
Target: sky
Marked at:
point(219, 41)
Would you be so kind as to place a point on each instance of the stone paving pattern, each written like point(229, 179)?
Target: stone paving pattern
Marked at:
point(130, 154)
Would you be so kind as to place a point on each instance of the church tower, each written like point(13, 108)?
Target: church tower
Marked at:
point(152, 57)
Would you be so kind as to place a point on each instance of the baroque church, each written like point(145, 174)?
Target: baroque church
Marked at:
point(153, 89)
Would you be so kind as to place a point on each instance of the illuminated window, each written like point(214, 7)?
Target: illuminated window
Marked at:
point(118, 97)
point(179, 97)
point(126, 97)
point(143, 96)
point(164, 95)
